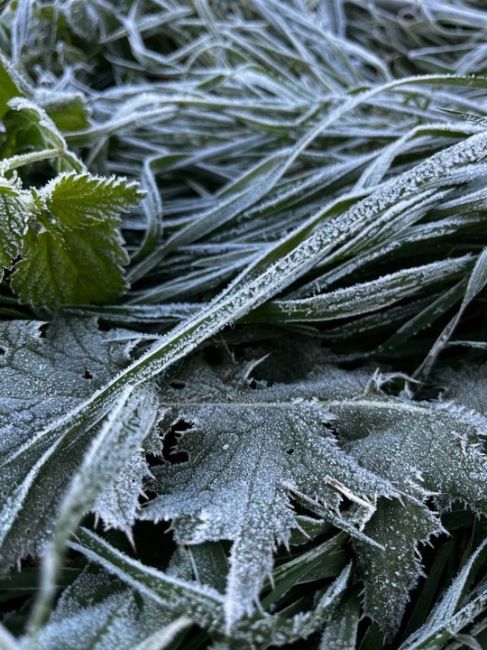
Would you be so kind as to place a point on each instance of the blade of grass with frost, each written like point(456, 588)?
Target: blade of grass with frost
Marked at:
point(153, 211)
point(194, 283)
point(7, 640)
point(476, 282)
point(424, 317)
point(363, 298)
point(202, 604)
point(343, 522)
point(96, 612)
point(130, 421)
point(131, 314)
point(276, 270)
point(324, 561)
point(455, 610)
point(215, 218)
point(400, 245)
point(429, 589)
point(376, 171)
point(165, 636)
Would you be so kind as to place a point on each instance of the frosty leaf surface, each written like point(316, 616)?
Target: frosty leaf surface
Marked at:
point(427, 451)
point(390, 574)
point(247, 449)
point(466, 385)
point(43, 374)
point(46, 369)
point(115, 448)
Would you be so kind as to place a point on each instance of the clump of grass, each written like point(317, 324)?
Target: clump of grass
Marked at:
point(242, 374)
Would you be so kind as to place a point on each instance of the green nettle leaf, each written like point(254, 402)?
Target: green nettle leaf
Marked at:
point(249, 449)
point(79, 266)
point(42, 378)
point(73, 252)
point(79, 200)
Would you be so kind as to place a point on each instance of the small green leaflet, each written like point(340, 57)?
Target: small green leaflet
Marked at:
point(73, 252)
